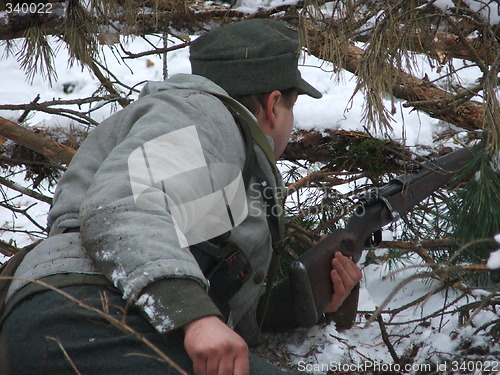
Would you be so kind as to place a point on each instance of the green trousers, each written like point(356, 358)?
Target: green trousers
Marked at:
point(49, 334)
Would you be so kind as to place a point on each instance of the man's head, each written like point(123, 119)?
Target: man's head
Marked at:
point(256, 62)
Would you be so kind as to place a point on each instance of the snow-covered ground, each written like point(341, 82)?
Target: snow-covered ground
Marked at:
point(433, 330)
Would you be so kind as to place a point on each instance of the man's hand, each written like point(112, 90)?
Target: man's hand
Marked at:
point(215, 349)
point(345, 275)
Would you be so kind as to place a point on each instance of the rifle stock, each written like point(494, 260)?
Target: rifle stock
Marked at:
point(309, 276)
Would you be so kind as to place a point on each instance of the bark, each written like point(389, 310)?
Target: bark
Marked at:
point(36, 142)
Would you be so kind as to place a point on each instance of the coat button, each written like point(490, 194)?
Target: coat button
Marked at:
point(259, 277)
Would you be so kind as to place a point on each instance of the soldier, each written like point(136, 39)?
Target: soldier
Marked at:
point(166, 220)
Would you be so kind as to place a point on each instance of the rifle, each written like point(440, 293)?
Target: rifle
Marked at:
point(309, 275)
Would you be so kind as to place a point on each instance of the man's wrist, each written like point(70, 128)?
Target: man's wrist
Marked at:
point(172, 303)
point(201, 321)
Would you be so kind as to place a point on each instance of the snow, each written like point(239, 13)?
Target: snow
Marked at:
point(339, 109)
point(433, 328)
point(494, 260)
point(488, 9)
point(150, 307)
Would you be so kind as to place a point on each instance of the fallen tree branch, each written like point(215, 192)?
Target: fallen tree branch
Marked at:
point(445, 46)
point(329, 146)
point(36, 142)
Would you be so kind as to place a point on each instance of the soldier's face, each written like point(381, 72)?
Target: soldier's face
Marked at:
point(284, 125)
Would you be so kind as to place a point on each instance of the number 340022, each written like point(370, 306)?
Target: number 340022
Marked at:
point(28, 7)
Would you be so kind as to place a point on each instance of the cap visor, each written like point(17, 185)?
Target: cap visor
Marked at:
point(306, 88)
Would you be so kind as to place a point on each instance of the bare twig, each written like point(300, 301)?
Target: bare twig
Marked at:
point(66, 355)
point(385, 338)
point(157, 51)
point(24, 212)
point(27, 111)
point(25, 191)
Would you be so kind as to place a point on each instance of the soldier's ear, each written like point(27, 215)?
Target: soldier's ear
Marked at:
point(271, 107)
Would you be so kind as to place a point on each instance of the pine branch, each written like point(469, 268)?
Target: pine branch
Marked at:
point(445, 46)
point(330, 147)
point(468, 115)
point(135, 19)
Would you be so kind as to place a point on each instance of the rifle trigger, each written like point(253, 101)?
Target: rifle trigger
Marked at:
point(374, 240)
point(395, 216)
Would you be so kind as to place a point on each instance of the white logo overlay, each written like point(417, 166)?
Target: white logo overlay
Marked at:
point(170, 173)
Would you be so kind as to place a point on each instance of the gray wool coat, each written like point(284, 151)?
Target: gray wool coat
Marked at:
point(127, 235)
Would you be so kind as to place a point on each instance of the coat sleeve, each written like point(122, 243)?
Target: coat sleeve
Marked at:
point(130, 221)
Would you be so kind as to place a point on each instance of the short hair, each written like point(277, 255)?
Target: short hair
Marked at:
point(253, 102)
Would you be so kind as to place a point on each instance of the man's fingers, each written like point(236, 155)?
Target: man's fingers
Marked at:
point(199, 365)
point(347, 269)
point(341, 265)
point(337, 282)
point(345, 275)
point(339, 292)
point(214, 348)
point(242, 365)
point(235, 361)
point(213, 365)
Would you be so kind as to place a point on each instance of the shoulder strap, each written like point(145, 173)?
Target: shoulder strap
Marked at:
point(250, 158)
point(252, 133)
point(275, 222)
point(8, 269)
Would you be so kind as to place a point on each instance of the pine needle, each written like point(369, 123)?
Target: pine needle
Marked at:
point(36, 55)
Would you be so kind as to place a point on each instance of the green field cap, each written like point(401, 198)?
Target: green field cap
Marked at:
point(251, 57)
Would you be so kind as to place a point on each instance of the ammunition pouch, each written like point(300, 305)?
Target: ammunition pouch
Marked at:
point(225, 267)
